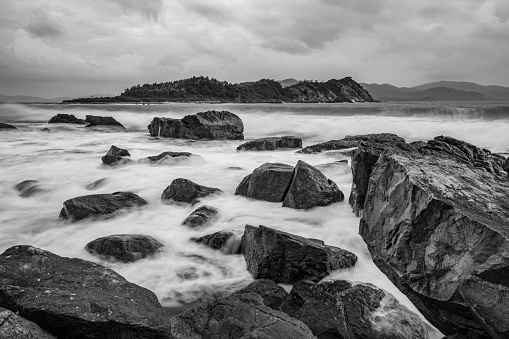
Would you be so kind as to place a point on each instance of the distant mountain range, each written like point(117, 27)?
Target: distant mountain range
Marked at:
point(28, 99)
point(438, 91)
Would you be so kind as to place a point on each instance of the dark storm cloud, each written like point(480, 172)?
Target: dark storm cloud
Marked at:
point(43, 25)
point(148, 8)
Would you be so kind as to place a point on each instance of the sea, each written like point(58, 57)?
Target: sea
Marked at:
point(67, 159)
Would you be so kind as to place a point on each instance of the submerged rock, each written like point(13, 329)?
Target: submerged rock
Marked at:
point(184, 190)
point(172, 158)
point(268, 182)
point(124, 247)
point(270, 144)
point(202, 216)
point(350, 141)
point(99, 204)
point(115, 156)
point(12, 326)
point(6, 126)
point(74, 298)
point(285, 258)
point(29, 188)
point(212, 125)
point(94, 120)
point(227, 242)
point(340, 309)
point(96, 184)
point(62, 118)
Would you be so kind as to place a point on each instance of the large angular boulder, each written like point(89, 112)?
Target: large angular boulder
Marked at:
point(200, 217)
point(124, 247)
point(227, 242)
point(4, 126)
point(115, 156)
point(211, 125)
point(74, 298)
point(99, 205)
point(436, 222)
point(271, 144)
point(62, 118)
point(310, 187)
point(12, 326)
point(367, 140)
point(340, 309)
point(268, 182)
point(172, 158)
point(184, 190)
point(285, 257)
point(29, 188)
point(95, 120)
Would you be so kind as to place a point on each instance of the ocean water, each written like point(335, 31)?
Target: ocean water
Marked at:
point(68, 158)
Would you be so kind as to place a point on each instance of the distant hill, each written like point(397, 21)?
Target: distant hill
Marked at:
point(448, 94)
point(28, 99)
point(205, 89)
point(288, 82)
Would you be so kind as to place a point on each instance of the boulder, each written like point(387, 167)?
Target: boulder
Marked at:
point(183, 190)
point(285, 257)
point(74, 298)
point(310, 188)
point(29, 188)
point(241, 315)
point(270, 144)
point(202, 216)
point(272, 294)
point(94, 120)
point(172, 158)
point(12, 326)
point(340, 309)
point(268, 182)
point(227, 242)
point(6, 126)
point(62, 118)
point(211, 125)
point(115, 156)
point(367, 140)
point(124, 247)
point(435, 221)
point(99, 204)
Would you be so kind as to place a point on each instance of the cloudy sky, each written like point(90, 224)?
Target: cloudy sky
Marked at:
point(74, 48)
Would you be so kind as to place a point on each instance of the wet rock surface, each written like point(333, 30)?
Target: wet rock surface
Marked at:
point(271, 144)
point(350, 141)
point(12, 326)
point(285, 257)
point(94, 120)
point(171, 158)
point(29, 188)
point(227, 242)
point(124, 247)
point(272, 294)
point(268, 182)
point(62, 118)
point(115, 156)
point(202, 216)
point(184, 190)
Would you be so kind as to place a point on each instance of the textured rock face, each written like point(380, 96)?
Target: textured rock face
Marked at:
point(227, 242)
point(183, 190)
point(270, 144)
point(124, 247)
point(310, 188)
point(505, 166)
point(241, 315)
point(12, 326)
point(62, 118)
point(284, 257)
point(94, 120)
point(115, 156)
point(74, 298)
point(339, 309)
point(6, 126)
point(268, 182)
point(212, 125)
point(272, 294)
point(202, 216)
point(436, 223)
point(99, 204)
point(29, 188)
point(367, 140)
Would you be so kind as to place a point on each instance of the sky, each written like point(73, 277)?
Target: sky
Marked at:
point(54, 48)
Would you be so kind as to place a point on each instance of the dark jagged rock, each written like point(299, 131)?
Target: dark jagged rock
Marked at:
point(241, 315)
point(115, 156)
point(211, 125)
point(29, 188)
point(270, 144)
point(96, 184)
point(183, 190)
point(62, 118)
point(273, 295)
point(435, 221)
point(6, 126)
point(339, 309)
point(124, 247)
point(94, 120)
point(172, 158)
point(227, 242)
point(284, 257)
point(74, 298)
point(367, 140)
point(99, 204)
point(268, 182)
point(202, 216)
point(12, 326)
point(310, 188)
point(45, 129)
point(505, 166)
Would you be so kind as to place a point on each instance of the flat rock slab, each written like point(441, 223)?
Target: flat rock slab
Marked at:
point(227, 242)
point(271, 144)
point(202, 216)
point(74, 298)
point(285, 257)
point(99, 205)
point(124, 247)
point(268, 182)
point(12, 326)
point(350, 141)
point(62, 118)
point(184, 190)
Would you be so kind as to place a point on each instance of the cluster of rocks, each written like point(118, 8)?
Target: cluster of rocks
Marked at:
point(271, 144)
point(116, 156)
point(90, 120)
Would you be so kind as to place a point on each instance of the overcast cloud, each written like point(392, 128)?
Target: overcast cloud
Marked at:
point(72, 48)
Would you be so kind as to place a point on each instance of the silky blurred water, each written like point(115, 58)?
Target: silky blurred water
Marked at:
point(68, 158)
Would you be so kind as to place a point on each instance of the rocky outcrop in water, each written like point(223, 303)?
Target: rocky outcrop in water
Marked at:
point(115, 156)
point(202, 216)
point(435, 221)
point(99, 205)
point(271, 144)
point(95, 120)
point(62, 118)
point(227, 242)
point(268, 182)
point(96, 184)
point(184, 190)
point(29, 188)
point(6, 127)
point(350, 141)
point(12, 326)
point(210, 125)
point(124, 247)
point(172, 158)
point(74, 298)
point(285, 257)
